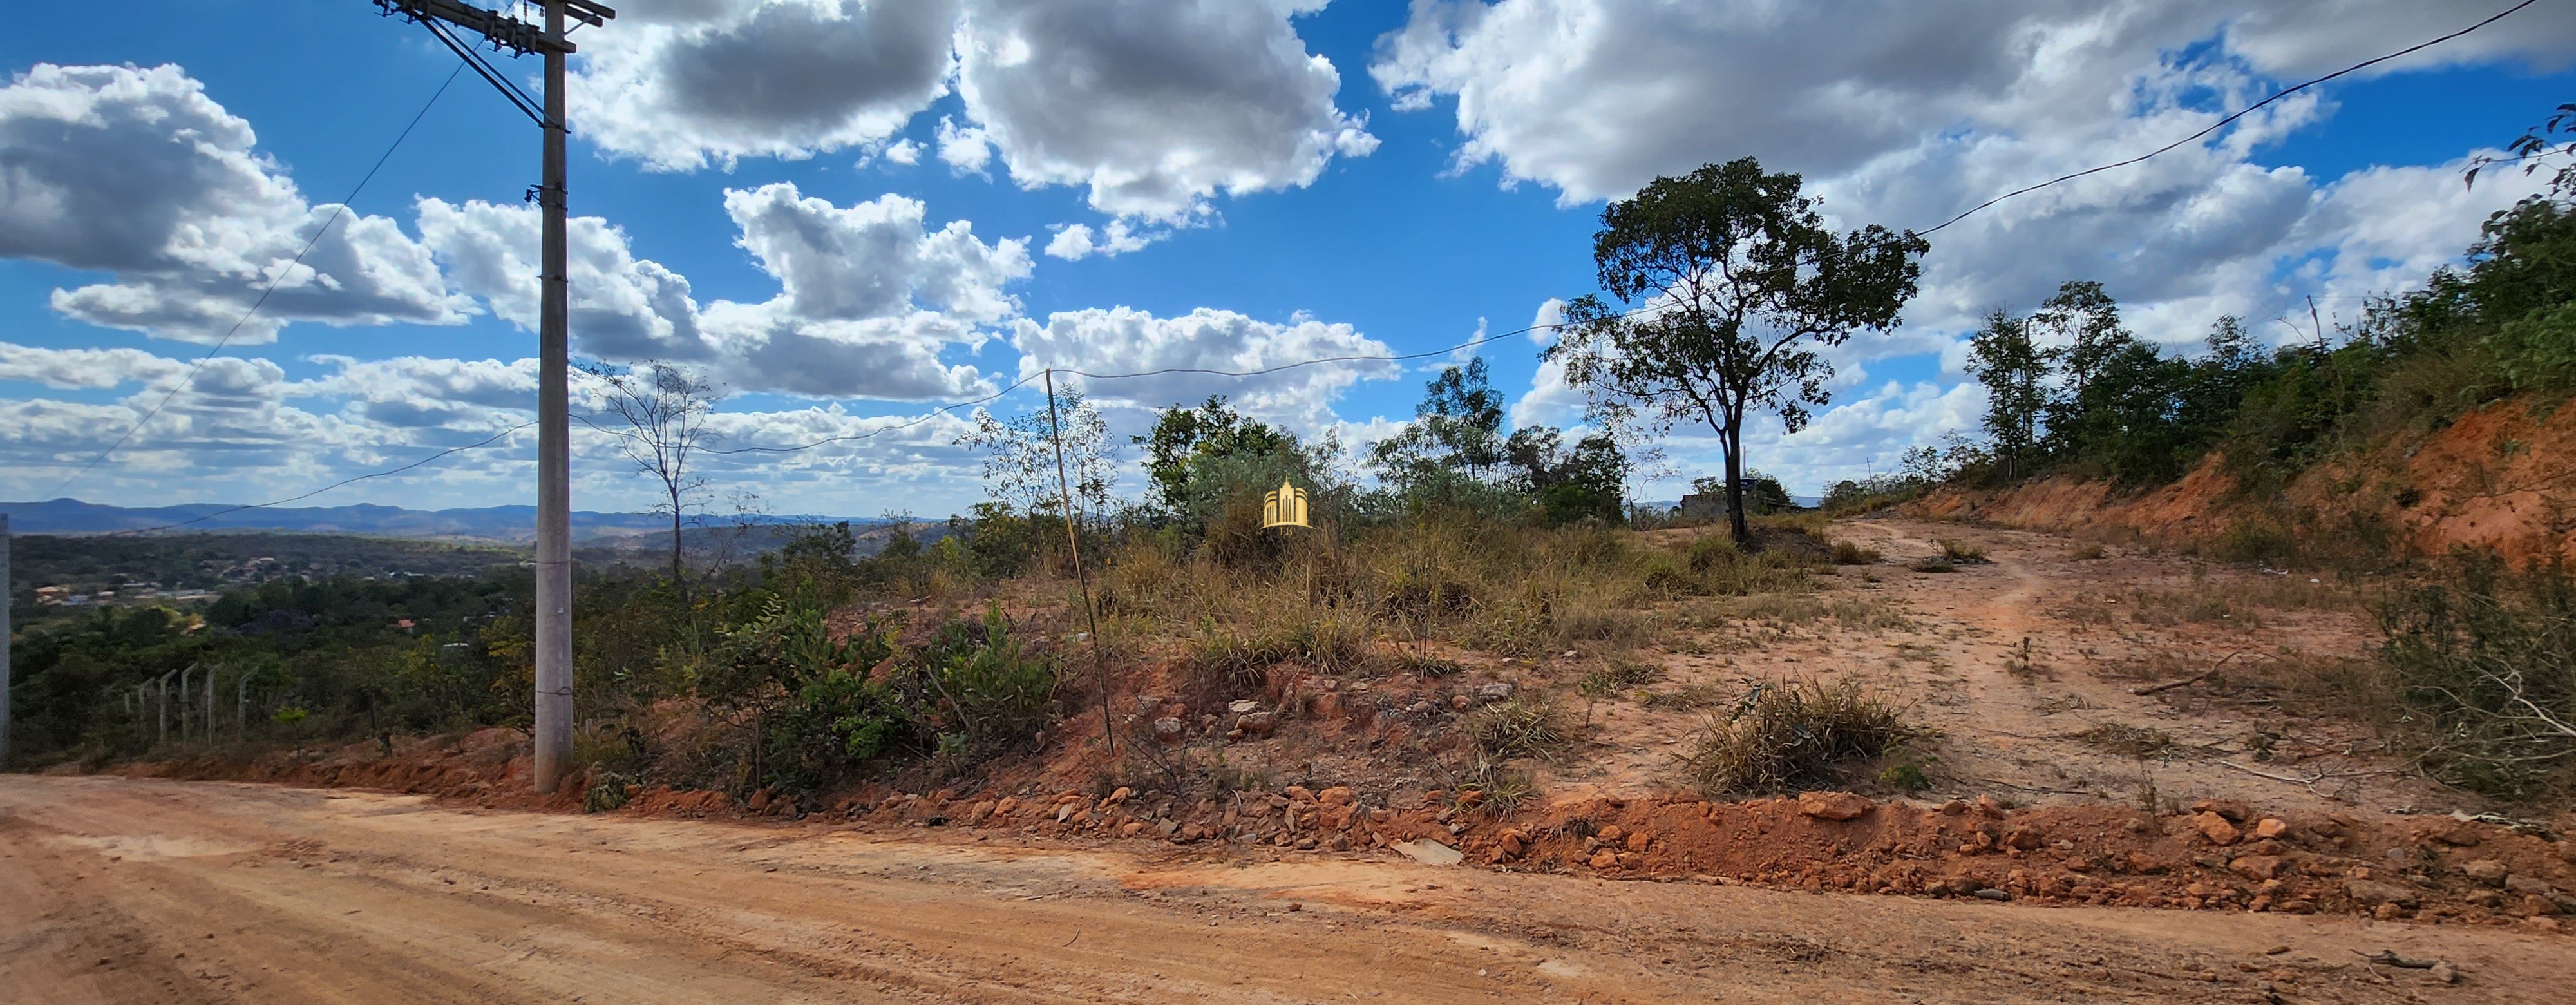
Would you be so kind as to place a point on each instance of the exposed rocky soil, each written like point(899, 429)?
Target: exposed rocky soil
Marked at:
point(124, 890)
point(2500, 478)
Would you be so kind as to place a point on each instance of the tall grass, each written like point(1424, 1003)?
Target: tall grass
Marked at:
point(1451, 578)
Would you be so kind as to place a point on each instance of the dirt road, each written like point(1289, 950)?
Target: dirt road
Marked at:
point(124, 890)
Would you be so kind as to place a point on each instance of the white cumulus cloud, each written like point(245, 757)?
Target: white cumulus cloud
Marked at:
point(1153, 107)
point(1122, 340)
point(138, 173)
point(1078, 241)
point(683, 85)
point(869, 294)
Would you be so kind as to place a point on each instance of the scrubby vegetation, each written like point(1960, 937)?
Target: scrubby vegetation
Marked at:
point(2478, 665)
point(2487, 658)
point(814, 668)
point(2072, 390)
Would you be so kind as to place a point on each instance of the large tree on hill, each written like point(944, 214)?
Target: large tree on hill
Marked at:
point(1727, 282)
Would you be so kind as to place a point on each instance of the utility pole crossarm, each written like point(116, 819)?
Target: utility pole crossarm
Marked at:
point(503, 31)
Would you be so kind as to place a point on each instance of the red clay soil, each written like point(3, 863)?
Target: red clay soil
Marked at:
point(2500, 478)
point(2216, 856)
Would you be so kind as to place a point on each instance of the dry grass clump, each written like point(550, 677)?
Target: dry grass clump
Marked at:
point(1811, 523)
point(2086, 552)
point(2243, 599)
point(1804, 734)
point(1521, 727)
point(1962, 553)
point(1849, 553)
point(1868, 615)
point(2131, 741)
point(1334, 643)
point(1690, 697)
point(1608, 681)
point(1500, 734)
point(1712, 565)
point(1935, 563)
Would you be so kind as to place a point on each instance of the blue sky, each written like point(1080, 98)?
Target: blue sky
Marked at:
point(1313, 179)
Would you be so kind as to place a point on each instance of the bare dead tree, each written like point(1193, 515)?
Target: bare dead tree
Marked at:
point(663, 410)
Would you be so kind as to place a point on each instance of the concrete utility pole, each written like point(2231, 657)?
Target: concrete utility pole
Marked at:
point(554, 444)
point(7, 594)
point(553, 736)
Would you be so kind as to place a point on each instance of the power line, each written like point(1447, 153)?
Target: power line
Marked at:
point(1017, 384)
point(925, 417)
point(345, 481)
point(336, 212)
point(2248, 110)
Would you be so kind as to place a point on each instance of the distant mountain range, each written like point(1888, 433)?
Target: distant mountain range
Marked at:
point(507, 524)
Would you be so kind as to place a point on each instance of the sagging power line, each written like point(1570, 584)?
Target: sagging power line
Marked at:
point(337, 211)
point(2247, 110)
point(1005, 390)
point(487, 441)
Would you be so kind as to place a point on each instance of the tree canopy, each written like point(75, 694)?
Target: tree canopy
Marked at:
point(1727, 281)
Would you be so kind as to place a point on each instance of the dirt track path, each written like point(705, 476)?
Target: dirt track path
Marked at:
point(119, 890)
point(2019, 733)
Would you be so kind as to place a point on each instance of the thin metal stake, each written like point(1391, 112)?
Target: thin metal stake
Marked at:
point(1064, 488)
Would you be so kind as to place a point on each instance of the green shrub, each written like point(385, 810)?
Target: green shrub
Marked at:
point(606, 793)
point(815, 712)
point(988, 690)
point(2486, 658)
point(1907, 776)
